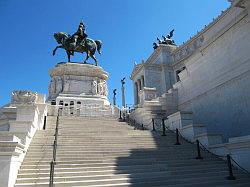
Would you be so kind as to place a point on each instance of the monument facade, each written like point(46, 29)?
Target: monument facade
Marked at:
point(75, 89)
point(202, 86)
point(79, 88)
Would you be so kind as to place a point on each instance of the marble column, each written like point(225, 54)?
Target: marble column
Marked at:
point(136, 93)
point(142, 82)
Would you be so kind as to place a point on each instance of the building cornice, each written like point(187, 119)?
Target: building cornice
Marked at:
point(203, 41)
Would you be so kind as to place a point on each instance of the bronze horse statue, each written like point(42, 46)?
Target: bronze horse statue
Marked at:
point(88, 45)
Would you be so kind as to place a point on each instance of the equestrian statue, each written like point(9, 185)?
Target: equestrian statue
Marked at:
point(78, 42)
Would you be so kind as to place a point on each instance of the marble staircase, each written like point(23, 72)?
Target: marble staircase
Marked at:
point(98, 152)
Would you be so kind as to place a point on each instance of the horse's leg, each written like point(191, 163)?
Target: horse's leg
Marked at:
point(93, 56)
point(68, 53)
point(87, 57)
point(54, 51)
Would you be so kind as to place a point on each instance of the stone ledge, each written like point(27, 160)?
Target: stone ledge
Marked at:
point(79, 70)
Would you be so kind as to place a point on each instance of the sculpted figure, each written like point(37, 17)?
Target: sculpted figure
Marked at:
point(105, 89)
point(166, 40)
point(155, 45)
point(100, 88)
point(58, 85)
point(52, 87)
point(94, 87)
point(78, 42)
point(23, 97)
point(79, 36)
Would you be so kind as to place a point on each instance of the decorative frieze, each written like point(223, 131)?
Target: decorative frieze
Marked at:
point(187, 50)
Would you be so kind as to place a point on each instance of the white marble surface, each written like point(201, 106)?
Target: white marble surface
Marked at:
point(23, 116)
point(78, 83)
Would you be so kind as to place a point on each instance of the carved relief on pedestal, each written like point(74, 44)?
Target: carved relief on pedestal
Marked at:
point(52, 87)
point(58, 85)
point(23, 97)
point(66, 84)
point(102, 88)
point(94, 87)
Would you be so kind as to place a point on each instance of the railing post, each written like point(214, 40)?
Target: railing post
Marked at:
point(51, 176)
point(53, 162)
point(54, 150)
point(163, 128)
point(153, 122)
point(177, 137)
point(198, 150)
point(124, 116)
point(134, 125)
point(44, 122)
point(230, 170)
point(120, 115)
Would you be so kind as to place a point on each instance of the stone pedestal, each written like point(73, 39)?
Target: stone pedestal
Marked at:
point(79, 89)
point(77, 83)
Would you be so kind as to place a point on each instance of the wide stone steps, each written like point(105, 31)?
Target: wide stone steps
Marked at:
point(61, 178)
point(102, 164)
point(103, 152)
point(152, 180)
point(125, 160)
point(63, 150)
point(123, 167)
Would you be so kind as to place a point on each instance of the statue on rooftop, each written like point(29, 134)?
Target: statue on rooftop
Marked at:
point(78, 42)
point(167, 40)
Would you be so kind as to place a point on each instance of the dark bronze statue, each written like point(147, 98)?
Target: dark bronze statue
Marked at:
point(114, 97)
point(155, 45)
point(78, 42)
point(166, 40)
point(123, 80)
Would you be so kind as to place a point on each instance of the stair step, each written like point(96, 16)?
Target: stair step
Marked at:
point(102, 152)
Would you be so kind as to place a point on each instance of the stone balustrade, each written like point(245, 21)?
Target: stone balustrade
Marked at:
point(20, 119)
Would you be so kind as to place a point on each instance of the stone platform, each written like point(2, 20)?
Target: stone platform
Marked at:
point(79, 87)
point(78, 82)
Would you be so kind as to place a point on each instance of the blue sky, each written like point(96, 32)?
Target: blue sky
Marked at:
point(127, 28)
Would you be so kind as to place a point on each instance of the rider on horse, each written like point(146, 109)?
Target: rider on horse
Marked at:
point(79, 36)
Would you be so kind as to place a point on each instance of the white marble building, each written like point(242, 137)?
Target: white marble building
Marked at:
point(203, 85)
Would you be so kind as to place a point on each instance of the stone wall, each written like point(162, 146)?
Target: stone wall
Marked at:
point(215, 85)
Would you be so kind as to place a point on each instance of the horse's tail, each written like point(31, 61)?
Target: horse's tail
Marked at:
point(99, 46)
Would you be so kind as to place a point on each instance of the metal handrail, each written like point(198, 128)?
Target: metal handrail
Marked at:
point(136, 125)
point(231, 177)
point(53, 162)
point(239, 166)
point(207, 150)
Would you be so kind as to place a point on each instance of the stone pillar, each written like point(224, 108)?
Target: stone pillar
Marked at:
point(139, 83)
point(142, 81)
point(138, 91)
point(123, 92)
point(135, 93)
